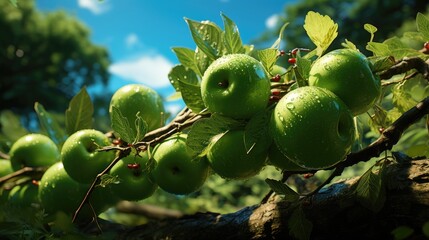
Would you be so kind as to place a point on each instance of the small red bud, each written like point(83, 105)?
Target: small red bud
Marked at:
point(35, 182)
point(282, 52)
point(276, 78)
point(133, 165)
point(292, 60)
point(426, 45)
point(294, 51)
point(116, 141)
point(381, 129)
point(308, 175)
point(275, 92)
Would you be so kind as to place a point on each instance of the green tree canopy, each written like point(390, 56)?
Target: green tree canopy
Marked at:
point(45, 57)
point(351, 15)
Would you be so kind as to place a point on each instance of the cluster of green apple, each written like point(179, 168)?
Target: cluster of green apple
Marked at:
point(310, 127)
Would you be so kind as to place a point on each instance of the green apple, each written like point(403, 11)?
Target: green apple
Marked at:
point(312, 127)
point(33, 150)
point(236, 86)
point(348, 74)
point(134, 180)
point(24, 195)
point(279, 160)
point(81, 156)
point(176, 171)
point(230, 158)
point(133, 98)
point(58, 192)
point(5, 167)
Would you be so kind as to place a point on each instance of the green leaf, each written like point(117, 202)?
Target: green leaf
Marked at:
point(255, 129)
point(302, 70)
point(11, 125)
point(180, 73)
point(121, 126)
point(349, 45)
point(276, 44)
point(402, 232)
point(282, 189)
point(141, 128)
point(423, 25)
point(401, 98)
point(321, 30)
point(50, 125)
point(191, 95)
point(203, 130)
point(268, 57)
point(79, 113)
point(203, 62)
point(379, 64)
point(378, 49)
point(14, 2)
point(370, 190)
point(232, 39)
point(371, 29)
point(207, 36)
point(186, 57)
point(107, 179)
point(299, 226)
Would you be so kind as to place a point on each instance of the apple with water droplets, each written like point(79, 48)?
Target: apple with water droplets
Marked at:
point(348, 74)
point(312, 127)
point(236, 86)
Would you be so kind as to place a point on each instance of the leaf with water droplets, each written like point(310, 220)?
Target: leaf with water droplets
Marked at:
point(207, 36)
point(186, 57)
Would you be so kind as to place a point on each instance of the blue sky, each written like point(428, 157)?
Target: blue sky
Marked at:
point(139, 34)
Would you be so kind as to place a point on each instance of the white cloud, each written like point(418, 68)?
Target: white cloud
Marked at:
point(151, 70)
point(272, 21)
point(132, 40)
point(174, 108)
point(95, 6)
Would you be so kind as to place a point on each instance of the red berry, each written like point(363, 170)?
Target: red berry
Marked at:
point(426, 45)
point(116, 141)
point(276, 78)
point(282, 52)
point(292, 60)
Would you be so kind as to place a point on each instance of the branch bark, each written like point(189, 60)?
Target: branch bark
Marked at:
point(334, 213)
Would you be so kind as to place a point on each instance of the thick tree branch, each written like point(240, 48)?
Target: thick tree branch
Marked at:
point(334, 213)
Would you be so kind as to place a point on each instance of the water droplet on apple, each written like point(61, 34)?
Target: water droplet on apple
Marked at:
point(290, 106)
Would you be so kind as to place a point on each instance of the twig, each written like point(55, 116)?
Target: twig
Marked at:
point(22, 172)
point(4, 155)
point(97, 180)
point(406, 64)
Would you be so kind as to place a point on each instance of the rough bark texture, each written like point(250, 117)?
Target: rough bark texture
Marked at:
point(334, 212)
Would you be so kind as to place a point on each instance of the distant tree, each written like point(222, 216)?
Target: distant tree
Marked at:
point(351, 15)
point(45, 57)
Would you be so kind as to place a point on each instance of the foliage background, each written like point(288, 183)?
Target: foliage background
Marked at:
point(64, 60)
